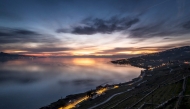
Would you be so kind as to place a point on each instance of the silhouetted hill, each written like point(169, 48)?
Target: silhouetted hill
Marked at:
point(6, 57)
point(175, 55)
point(2, 54)
point(182, 53)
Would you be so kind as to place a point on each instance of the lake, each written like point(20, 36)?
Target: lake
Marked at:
point(31, 84)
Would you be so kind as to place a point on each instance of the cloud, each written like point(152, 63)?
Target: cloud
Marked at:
point(91, 26)
point(41, 48)
point(160, 29)
point(14, 35)
point(132, 50)
point(48, 49)
point(118, 49)
point(25, 32)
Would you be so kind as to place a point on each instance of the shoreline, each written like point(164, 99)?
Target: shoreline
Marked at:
point(76, 100)
point(73, 97)
point(160, 68)
point(131, 86)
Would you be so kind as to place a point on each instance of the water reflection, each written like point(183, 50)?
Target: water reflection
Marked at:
point(84, 61)
point(30, 84)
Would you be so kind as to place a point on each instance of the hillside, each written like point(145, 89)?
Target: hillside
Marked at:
point(175, 55)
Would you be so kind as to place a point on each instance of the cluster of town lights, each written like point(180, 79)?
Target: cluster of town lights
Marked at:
point(76, 102)
point(73, 104)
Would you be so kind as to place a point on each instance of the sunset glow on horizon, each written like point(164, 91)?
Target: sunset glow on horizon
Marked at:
point(78, 53)
point(60, 28)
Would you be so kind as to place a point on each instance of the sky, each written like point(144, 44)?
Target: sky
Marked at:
point(93, 27)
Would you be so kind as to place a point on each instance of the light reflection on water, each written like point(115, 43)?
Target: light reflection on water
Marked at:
point(30, 84)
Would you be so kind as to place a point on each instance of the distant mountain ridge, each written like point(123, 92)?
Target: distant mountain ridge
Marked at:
point(175, 55)
point(2, 54)
point(180, 53)
point(4, 57)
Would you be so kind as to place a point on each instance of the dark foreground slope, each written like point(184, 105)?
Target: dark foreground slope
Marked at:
point(159, 89)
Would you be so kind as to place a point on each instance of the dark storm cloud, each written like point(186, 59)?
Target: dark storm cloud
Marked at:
point(95, 25)
point(12, 35)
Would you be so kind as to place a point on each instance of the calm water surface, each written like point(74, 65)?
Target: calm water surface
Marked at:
point(30, 84)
